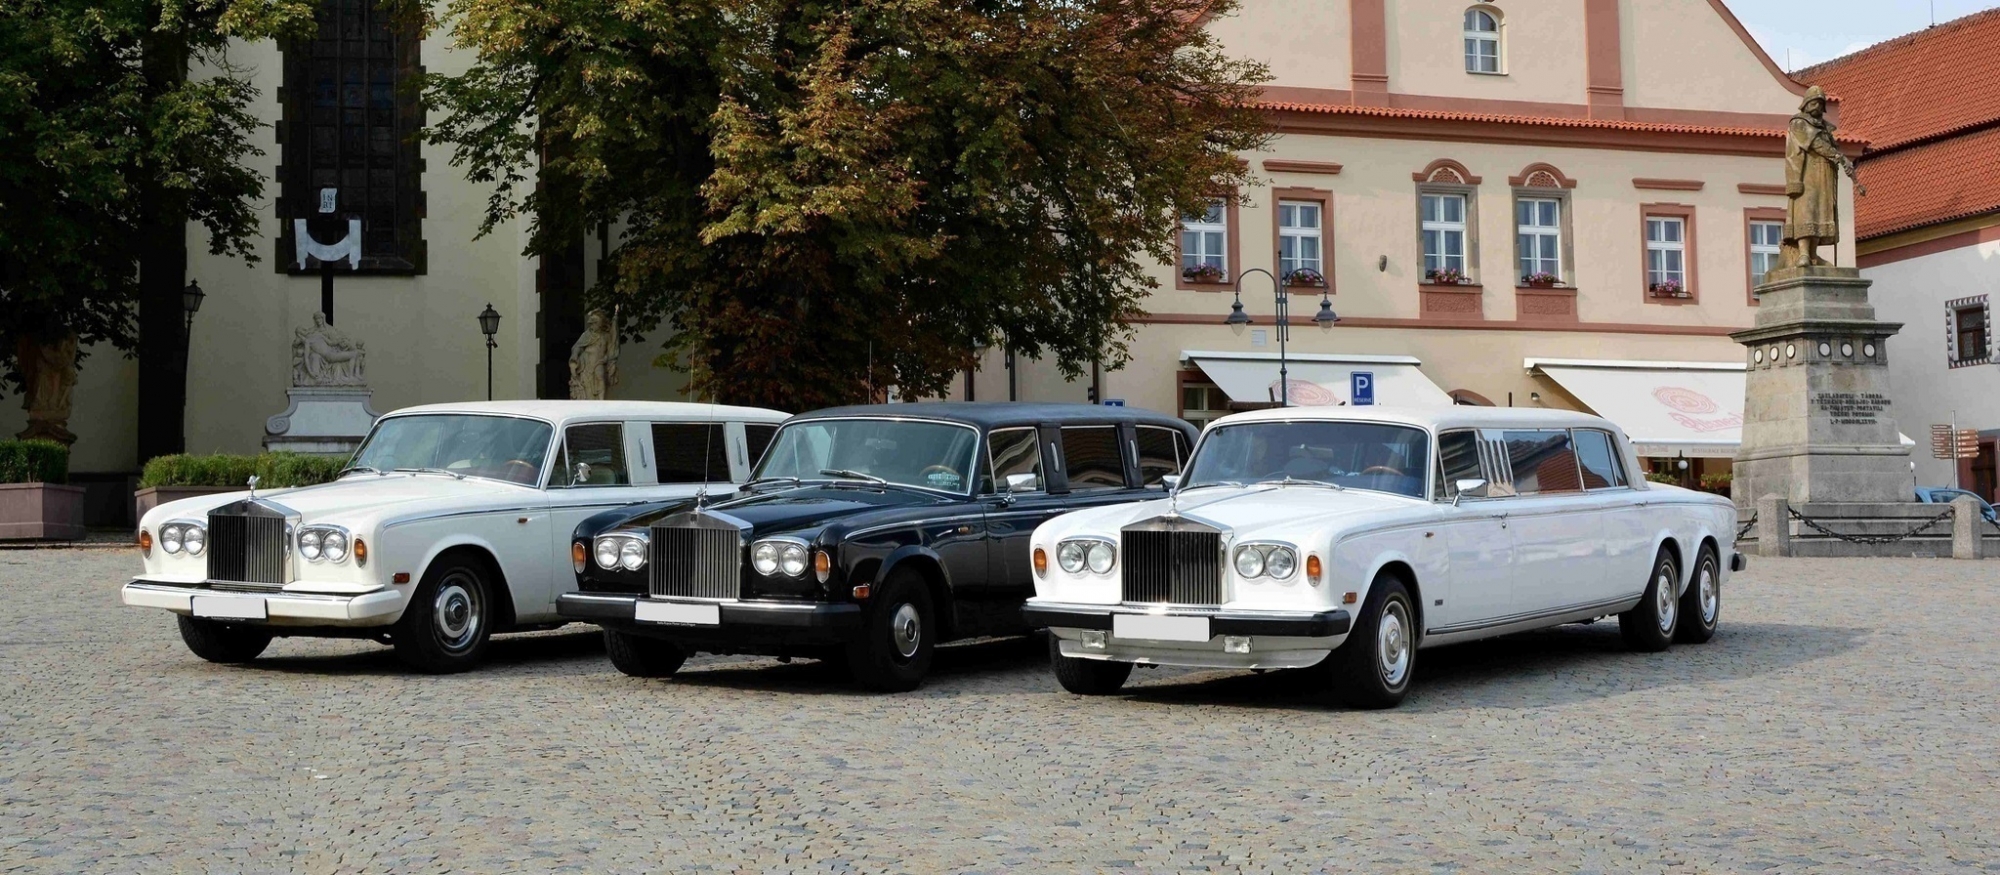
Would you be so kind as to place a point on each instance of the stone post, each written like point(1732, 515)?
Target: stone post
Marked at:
point(1774, 526)
point(1967, 528)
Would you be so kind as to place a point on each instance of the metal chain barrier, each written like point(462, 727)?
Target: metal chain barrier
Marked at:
point(1859, 539)
point(1747, 526)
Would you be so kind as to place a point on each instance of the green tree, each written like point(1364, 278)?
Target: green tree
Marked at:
point(108, 148)
point(820, 196)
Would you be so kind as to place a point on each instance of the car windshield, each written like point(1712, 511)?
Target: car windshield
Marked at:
point(1350, 455)
point(927, 455)
point(495, 447)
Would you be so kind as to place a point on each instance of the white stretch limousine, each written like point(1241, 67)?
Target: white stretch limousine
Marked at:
point(452, 522)
point(1347, 538)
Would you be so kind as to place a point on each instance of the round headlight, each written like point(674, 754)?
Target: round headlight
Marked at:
point(170, 539)
point(1281, 562)
point(334, 545)
point(309, 544)
point(1069, 554)
point(193, 539)
point(607, 553)
point(1099, 557)
point(1249, 562)
point(764, 558)
point(793, 560)
point(631, 554)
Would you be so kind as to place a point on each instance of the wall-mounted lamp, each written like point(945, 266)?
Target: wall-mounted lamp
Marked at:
point(1382, 264)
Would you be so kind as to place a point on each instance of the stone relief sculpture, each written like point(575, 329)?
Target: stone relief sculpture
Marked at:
point(593, 361)
point(48, 373)
point(323, 356)
point(1813, 162)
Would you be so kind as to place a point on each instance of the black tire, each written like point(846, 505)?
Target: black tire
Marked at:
point(1701, 605)
point(221, 642)
point(892, 652)
point(642, 657)
point(1086, 677)
point(450, 618)
point(1649, 626)
point(1373, 667)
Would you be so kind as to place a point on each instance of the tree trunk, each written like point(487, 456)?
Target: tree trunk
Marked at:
point(163, 261)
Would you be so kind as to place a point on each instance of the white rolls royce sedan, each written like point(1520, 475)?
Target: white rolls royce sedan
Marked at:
point(1346, 539)
point(451, 522)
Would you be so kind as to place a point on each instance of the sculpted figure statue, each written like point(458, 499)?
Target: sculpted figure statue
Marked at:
point(322, 356)
point(48, 371)
point(1813, 162)
point(593, 361)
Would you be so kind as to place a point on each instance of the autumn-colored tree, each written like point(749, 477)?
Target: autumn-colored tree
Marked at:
point(822, 196)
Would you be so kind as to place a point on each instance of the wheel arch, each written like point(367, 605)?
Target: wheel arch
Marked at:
point(930, 566)
point(1665, 541)
point(503, 594)
point(1401, 569)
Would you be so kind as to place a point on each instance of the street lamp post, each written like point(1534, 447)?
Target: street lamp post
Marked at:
point(190, 304)
point(489, 325)
point(1239, 320)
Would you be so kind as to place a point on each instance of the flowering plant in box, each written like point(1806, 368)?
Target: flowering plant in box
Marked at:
point(1541, 280)
point(1670, 289)
point(1450, 276)
point(1304, 276)
point(1202, 273)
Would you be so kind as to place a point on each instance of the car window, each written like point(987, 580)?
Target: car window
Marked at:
point(1543, 460)
point(690, 452)
point(596, 451)
point(1600, 463)
point(756, 438)
point(1458, 459)
point(1381, 457)
point(1161, 452)
point(1014, 451)
point(1091, 458)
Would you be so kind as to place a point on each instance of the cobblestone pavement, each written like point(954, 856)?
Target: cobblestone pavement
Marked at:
point(1844, 720)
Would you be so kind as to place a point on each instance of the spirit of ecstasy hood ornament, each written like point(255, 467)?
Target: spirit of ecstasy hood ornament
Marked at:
point(253, 486)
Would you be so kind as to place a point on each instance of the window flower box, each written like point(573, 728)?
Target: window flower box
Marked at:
point(1541, 281)
point(1204, 273)
point(1447, 277)
point(1305, 276)
point(1668, 289)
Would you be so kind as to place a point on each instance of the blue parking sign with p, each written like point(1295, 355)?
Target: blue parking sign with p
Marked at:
point(1362, 386)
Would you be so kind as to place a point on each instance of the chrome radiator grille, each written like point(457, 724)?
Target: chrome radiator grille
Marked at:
point(246, 549)
point(705, 563)
point(1169, 567)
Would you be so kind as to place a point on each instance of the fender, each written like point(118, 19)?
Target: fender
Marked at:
point(908, 551)
point(1686, 571)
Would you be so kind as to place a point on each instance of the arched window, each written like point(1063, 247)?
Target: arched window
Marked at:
point(1482, 41)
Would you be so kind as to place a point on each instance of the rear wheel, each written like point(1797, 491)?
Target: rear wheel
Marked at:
point(1086, 677)
point(1701, 605)
point(221, 642)
point(1373, 668)
point(445, 628)
point(643, 657)
point(1649, 626)
point(892, 652)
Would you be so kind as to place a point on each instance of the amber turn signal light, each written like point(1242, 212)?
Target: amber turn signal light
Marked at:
point(1350, 598)
point(863, 591)
point(360, 552)
point(400, 577)
point(578, 556)
point(1313, 569)
point(145, 543)
point(1041, 562)
point(822, 565)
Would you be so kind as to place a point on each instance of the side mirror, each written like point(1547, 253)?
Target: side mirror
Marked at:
point(1023, 483)
point(1473, 486)
point(580, 474)
point(1171, 482)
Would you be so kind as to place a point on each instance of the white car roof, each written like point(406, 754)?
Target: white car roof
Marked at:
point(1436, 418)
point(563, 410)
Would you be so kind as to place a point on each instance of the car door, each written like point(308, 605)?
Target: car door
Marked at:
point(1012, 512)
point(1558, 526)
point(596, 474)
point(1479, 548)
point(1627, 533)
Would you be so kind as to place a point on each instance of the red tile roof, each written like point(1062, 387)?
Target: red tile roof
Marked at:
point(1926, 84)
point(1936, 182)
point(1550, 121)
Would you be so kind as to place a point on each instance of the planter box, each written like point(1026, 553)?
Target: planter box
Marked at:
point(41, 510)
point(153, 496)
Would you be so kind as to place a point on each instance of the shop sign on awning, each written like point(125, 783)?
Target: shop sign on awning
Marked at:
point(1318, 379)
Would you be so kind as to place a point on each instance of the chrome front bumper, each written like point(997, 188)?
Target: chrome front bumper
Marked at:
point(1236, 638)
point(379, 608)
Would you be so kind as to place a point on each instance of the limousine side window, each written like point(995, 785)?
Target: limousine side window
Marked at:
point(1091, 458)
point(1544, 461)
point(1600, 462)
point(1162, 451)
point(757, 438)
point(690, 452)
point(1013, 451)
point(1458, 459)
point(599, 447)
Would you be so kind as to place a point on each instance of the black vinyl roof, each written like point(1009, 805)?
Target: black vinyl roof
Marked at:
point(995, 414)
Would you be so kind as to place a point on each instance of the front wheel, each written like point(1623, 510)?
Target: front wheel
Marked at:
point(642, 657)
point(1086, 677)
point(1701, 605)
point(223, 642)
point(892, 651)
point(1649, 626)
point(445, 628)
point(1372, 669)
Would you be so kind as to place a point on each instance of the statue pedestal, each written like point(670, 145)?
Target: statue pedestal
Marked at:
point(321, 420)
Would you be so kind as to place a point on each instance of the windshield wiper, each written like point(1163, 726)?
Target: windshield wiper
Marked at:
point(1238, 484)
point(795, 481)
point(853, 475)
point(353, 468)
point(1295, 481)
point(453, 474)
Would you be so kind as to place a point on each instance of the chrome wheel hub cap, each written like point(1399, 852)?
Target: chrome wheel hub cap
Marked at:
point(1392, 644)
point(1663, 596)
point(456, 613)
point(906, 629)
point(1711, 596)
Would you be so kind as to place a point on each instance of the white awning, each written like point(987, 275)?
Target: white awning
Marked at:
point(1667, 408)
point(1317, 379)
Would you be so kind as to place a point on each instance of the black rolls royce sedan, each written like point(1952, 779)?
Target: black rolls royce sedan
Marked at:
point(867, 534)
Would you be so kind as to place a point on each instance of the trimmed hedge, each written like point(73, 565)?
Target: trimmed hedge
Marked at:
point(35, 461)
point(273, 470)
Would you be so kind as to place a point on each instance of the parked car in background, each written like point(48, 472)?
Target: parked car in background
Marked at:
point(1346, 539)
point(1948, 494)
point(451, 522)
point(868, 534)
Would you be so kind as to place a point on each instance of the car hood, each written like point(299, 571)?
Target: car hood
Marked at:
point(807, 507)
point(361, 498)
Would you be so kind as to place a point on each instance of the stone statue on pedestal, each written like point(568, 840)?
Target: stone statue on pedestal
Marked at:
point(329, 410)
point(48, 373)
point(1813, 163)
point(323, 356)
point(593, 361)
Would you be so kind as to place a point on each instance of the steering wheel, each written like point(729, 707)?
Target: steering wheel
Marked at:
point(1383, 469)
point(946, 469)
point(526, 473)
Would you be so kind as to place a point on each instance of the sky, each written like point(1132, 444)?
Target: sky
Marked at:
point(1821, 30)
